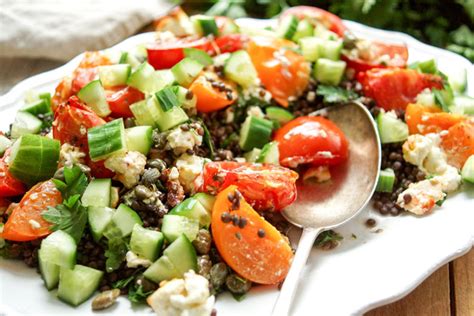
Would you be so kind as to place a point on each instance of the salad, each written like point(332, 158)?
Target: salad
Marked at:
point(160, 172)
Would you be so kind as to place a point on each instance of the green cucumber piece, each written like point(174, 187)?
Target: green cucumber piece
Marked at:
point(229, 27)
point(167, 98)
point(34, 158)
point(252, 155)
point(139, 138)
point(426, 97)
point(467, 173)
point(320, 31)
point(32, 96)
point(198, 55)
point(78, 284)
point(93, 94)
point(97, 193)
point(186, 99)
point(304, 29)
point(443, 98)
point(186, 71)
point(114, 75)
point(428, 66)
point(457, 78)
point(174, 225)
point(59, 248)
point(255, 133)
point(145, 112)
point(143, 78)
point(162, 269)
point(37, 107)
point(146, 243)
point(279, 114)
point(5, 143)
point(310, 48)
point(386, 180)
point(193, 209)
point(162, 79)
point(463, 104)
point(99, 218)
point(331, 49)
point(328, 71)
point(391, 129)
point(106, 140)
point(269, 154)
point(166, 120)
point(287, 27)
point(205, 25)
point(25, 123)
point(239, 68)
point(49, 272)
point(125, 218)
point(206, 200)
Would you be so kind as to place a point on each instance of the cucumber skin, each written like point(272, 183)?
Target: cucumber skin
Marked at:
point(146, 243)
point(467, 173)
point(382, 184)
point(193, 209)
point(106, 140)
point(259, 137)
point(78, 284)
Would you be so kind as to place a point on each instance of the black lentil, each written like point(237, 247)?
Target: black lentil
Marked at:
point(261, 233)
point(225, 217)
point(370, 222)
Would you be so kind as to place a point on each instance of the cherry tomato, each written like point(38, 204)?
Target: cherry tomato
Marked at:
point(258, 251)
point(395, 88)
point(426, 119)
point(265, 187)
point(9, 186)
point(318, 16)
point(458, 143)
point(231, 42)
point(82, 77)
point(282, 71)
point(166, 54)
point(26, 221)
point(376, 55)
point(120, 98)
point(311, 140)
point(211, 98)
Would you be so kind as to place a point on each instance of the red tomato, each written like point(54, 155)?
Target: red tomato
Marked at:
point(263, 186)
point(375, 56)
point(231, 42)
point(210, 98)
point(164, 55)
point(9, 186)
point(330, 21)
point(120, 98)
point(82, 77)
point(311, 140)
point(395, 88)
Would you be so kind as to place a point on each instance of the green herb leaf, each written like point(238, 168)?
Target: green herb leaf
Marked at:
point(332, 94)
point(198, 55)
point(136, 294)
point(116, 248)
point(207, 139)
point(167, 98)
point(326, 237)
point(75, 182)
point(239, 297)
point(120, 284)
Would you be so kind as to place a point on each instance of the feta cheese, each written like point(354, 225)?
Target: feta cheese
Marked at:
point(34, 224)
point(128, 166)
point(70, 155)
point(189, 167)
point(255, 111)
point(424, 195)
point(180, 141)
point(183, 297)
point(134, 261)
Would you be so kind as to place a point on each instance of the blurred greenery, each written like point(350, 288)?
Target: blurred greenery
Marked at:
point(443, 23)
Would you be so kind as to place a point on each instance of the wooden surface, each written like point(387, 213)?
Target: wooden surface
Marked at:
point(449, 291)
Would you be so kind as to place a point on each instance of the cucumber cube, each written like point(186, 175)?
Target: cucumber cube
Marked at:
point(166, 120)
point(467, 172)
point(4, 144)
point(206, 200)
point(328, 71)
point(146, 243)
point(139, 138)
point(97, 193)
point(114, 75)
point(186, 71)
point(193, 209)
point(25, 123)
point(239, 68)
point(125, 218)
point(99, 218)
point(145, 112)
point(78, 284)
point(40, 106)
point(106, 140)
point(49, 272)
point(174, 226)
point(59, 248)
point(143, 78)
point(93, 94)
point(391, 129)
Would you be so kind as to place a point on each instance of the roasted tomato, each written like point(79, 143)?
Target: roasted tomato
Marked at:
point(311, 140)
point(372, 54)
point(209, 92)
point(427, 119)
point(120, 98)
point(395, 88)
point(318, 16)
point(231, 43)
point(265, 187)
point(9, 186)
point(458, 143)
point(282, 71)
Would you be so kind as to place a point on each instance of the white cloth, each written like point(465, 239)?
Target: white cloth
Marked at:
point(61, 29)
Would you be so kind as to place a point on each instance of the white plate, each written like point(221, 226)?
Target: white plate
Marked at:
point(363, 273)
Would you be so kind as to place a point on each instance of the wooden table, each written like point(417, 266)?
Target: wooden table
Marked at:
point(449, 291)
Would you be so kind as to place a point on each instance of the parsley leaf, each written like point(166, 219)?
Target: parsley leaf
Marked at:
point(136, 294)
point(326, 238)
point(332, 94)
point(75, 182)
point(116, 248)
point(120, 284)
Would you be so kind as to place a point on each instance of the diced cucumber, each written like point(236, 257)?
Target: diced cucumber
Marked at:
point(25, 123)
point(310, 48)
point(255, 133)
point(239, 68)
point(391, 129)
point(34, 158)
point(229, 27)
point(270, 154)
point(320, 31)
point(467, 172)
point(32, 96)
point(146, 243)
point(426, 97)
point(5, 143)
point(125, 218)
point(279, 114)
point(143, 78)
point(304, 29)
point(114, 75)
point(169, 119)
point(193, 209)
point(99, 218)
point(198, 55)
point(177, 259)
point(287, 27)
point(186, 98)
point(443, 98)
point(78, 284)
point(123, 58)
point(206, 200)
point(106, 140)
point(139, 138)
point(252, 155)
point(205, 25)
point(97, 193)
point(59, 248)
point(174, 225)
point(167, 98)
point(49, 272)
point(162, 79)
point(331, 49)
point(93, 94)
point(145, 112)
point(457, 78)
point(386, 180)
point(328, 71)
point(463, 104)
point(427, 66)
point(37, 107)
point(186, 71)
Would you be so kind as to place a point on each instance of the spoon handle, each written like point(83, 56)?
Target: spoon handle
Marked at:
point(288, 290)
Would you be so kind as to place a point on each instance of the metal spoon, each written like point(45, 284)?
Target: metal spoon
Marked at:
point(325, 206)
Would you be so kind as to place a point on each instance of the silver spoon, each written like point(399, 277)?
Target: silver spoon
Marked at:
point(320, 207)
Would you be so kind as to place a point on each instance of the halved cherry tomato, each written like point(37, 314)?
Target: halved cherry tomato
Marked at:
point(9, 186)
point(120, 98)
point(427, 119)
point(311, 140)
point(458, 143)
point(376, 55)
point(395, 88)
point(26, 222)
point(231, 42)
point(212, 98)
point(265, 187)
point(166, 54)
point(82, 76)
point(282, 71)
point(318, 16)
point(258, 251)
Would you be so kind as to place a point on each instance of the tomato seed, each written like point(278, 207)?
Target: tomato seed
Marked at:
point(225, 217)
point(261, 233)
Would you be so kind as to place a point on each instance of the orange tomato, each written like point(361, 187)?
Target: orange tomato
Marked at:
point(458, 143)
point(257, 252)
point(26, 222)
point(210, 98)
point(427, 119)
point(282, 71)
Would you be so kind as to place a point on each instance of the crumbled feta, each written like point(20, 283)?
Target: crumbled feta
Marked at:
point(181, 141)
point(426, 98)
point(256, 91)
point(165, 36)
point(424, 195)
point(189, 167)
point(34, 224)
point(417, 147)
point(183, 297)
point(221, 59)
point(255, 111)
point(174, 174)
point(128, 166)
point(134, 261)
point(320, 174)
point(70, 155)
